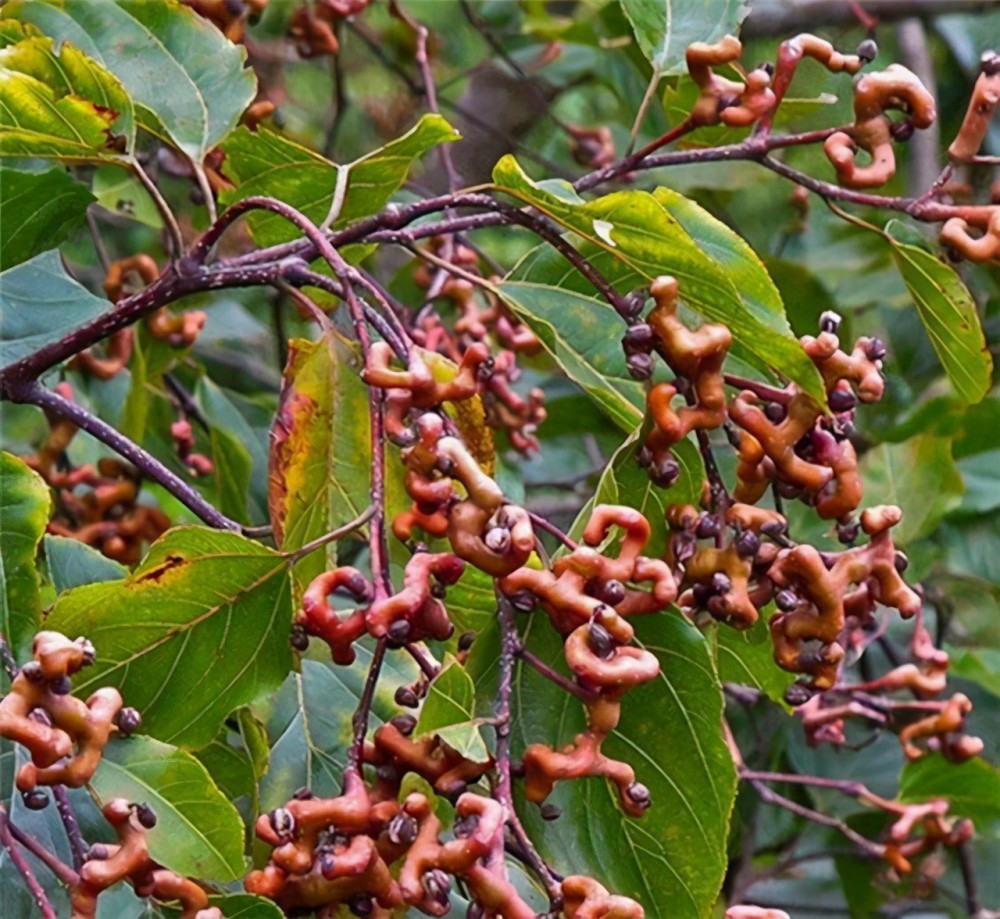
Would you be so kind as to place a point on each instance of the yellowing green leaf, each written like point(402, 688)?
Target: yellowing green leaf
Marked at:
point(198, 629)
point(187, 79)
point(320, 447)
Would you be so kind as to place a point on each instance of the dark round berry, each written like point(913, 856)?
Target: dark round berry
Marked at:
point(466, 826)
point(129, 721)
point(523, 601)
point(798, 694)
point(632, 305)
point(145, 815)
point(847, 533)
point(786, 600)
point(644, 457)
point(901, 562)
point(709, 526)
point(32, 671)
point(747, 544)
point(767, 67)
point(298, 638)
point(361, 905)
point(465, 640)
point(639, 366)
point(639, 795)
point(327, 863)
point(829, 321)
point(601, 642)
point(665, 472)
point(775, 412)
point(399, 632)
point(35, 800)
point(404, 724)
point(437, 885)
point(282, 822)
point(549, 812)
point(867, 50)
point(903, 131)
point(97, 853)
point(406, 697)
point(989, 63)
point(402, 830)
point(720, 583)
point(842, 400)
point(640, 338)
point(611, 592)
point(876, 350)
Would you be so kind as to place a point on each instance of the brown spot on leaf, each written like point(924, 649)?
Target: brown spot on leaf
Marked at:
point(156, 575)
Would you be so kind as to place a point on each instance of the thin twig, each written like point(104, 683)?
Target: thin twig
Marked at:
point(169, 220)
point(36, 394)
point(24, 869)
point(359, 723)
point(297, 555)
point(7, 660)
point(78, 845)
point(59, 869)
point(510, 648)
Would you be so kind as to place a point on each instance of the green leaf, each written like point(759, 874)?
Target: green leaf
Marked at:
point(24, 513)
point(972, 788)
point(41, 303)
point(472, 602)
point(230, 457)
point(229, 764)
point(198, 832)
point(639, 240)
point(920, 476)
point(449, 711)
point(123, 194)
point(42, 210)
point(72, 563)
point(625, 482)
point(308, 722)
point(320, 448)
point(189, 80)
point(980, 666)
point(199, 628)
point(950, 318)
point(64, 105)
point(746, 657)
point(263, 162)
point(672, 860)
point(664, 28)
point(575, 330)
point(246, 906)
